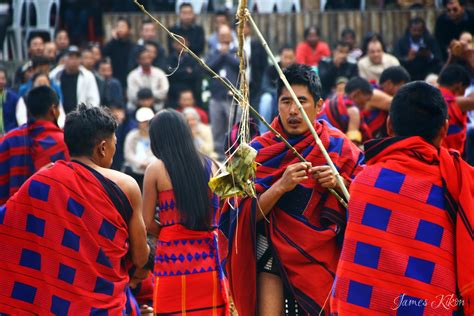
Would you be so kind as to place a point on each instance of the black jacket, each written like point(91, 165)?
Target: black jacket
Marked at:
point(258, 64)
point(328, 73)
point(122, 55)
point(194, 34)
point(446, 30)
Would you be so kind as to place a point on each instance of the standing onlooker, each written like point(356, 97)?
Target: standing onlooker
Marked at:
point(202, 133)
point(77, 84)
point(348, 35)
point(256, 63)
point(312, 50)
point(417, 50)
point(8, 100)
point(51, 52)
point(147, 76)
point(220, 18)
point(186, 74)
point(148, 34)
point(224, 61)
point(452, 23)
point(112, 91)
point(268, 106)
point(137, 150)
point(376, 60)
point(188, 28)
point(88, 62)
point(121, 50)
point(330, 69)
point(35, 49)
point(62, 41)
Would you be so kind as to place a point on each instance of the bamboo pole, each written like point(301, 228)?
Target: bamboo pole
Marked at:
point(236, 93)
point(300, 108)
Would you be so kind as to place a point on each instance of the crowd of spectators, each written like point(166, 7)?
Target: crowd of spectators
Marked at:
point(138, 78)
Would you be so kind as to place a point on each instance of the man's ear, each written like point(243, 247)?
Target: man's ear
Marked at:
point(319, 105)
point(390, 131)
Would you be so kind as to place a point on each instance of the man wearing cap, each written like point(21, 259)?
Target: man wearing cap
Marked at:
point(78, 85)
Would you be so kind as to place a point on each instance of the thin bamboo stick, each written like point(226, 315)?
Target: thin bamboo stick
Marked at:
point(300, 108)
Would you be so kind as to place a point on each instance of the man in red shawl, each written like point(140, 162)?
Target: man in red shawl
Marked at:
point(408, 246)
point(65, 235)
point(297, 243)
point(34, 145)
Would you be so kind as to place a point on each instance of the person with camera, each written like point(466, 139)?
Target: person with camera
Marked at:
point(418, 51)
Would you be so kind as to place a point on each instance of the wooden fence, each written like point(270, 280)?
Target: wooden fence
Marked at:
point(280, 29)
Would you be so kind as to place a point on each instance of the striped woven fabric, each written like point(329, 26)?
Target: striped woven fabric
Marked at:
point(26, 149)
point(456, 137)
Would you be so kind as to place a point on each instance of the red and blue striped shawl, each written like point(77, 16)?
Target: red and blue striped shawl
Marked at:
point(25, 150)
point(304, 224)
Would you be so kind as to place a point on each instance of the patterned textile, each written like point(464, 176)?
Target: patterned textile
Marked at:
point(188, 279)
point(64, 237)
point(408, 247)
point(303, 226)
point(334, 111)
point(376, 121)
point(26, 149)
point(457, 123)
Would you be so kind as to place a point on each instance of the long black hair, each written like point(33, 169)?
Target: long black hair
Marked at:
point(172, 143)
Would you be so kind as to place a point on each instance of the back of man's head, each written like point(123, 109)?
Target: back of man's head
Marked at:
point(304, 75)
point(396, 74)
point(452, 75)
point(418, 109)
point(358, 83)
point(40, 100)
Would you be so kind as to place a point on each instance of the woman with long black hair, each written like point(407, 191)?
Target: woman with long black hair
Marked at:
point(187, 274)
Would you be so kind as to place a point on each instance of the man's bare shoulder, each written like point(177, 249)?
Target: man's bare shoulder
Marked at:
point(125, 182)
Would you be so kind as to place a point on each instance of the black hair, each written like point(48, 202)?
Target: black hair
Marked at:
point(223, 13)
point(147, 21)
point(144, 94)
point(39, 100)
point(418, 109)
point(298, 74)
point(348, 31)
point(461, 2)
point(140, 51)
point(172, 142)
point(453, 74)
point(372, 37)
point(85, 127)
point(358, 83)
point(39, 74)
point(309, 29)
point(286, 47)
point(105, 60)
point(39, 60)
point(417, 20)
point(342, 44)
point(61, 31)
point(396, 74)
point(124, 19)
point(32, 37)
point(185, 4)
point(186, 90)
point(153, 43)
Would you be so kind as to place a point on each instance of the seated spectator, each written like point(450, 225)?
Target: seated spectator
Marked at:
point(220, 18)
point(202, 133)
point(137, 150)
point(453, 81)
point(147, 76)
point(62, 41)
point(461, 52)
point(312, 50)
point(21, 113)
point(88, 62)
point(186, 74)
point(329, 69)
point(51, 52)
point(348, 35)
point(40, 64)
point(96, 53)
point(35, 49)
point(158, 56)
point(225, 62)
point(121, 51)
point(112, 91)
point(32, 146)
point(145, 99)
point(268, 106)
point(188, 28)
point(8, 101)
point(375, 61)
point(376, 110)
point(345, 111)
point(450, 24)
point(186, 100)
point(418, 51)
point(149, 38)
point(78, 85)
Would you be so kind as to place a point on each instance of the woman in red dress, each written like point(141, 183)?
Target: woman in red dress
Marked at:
point(181, 212)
